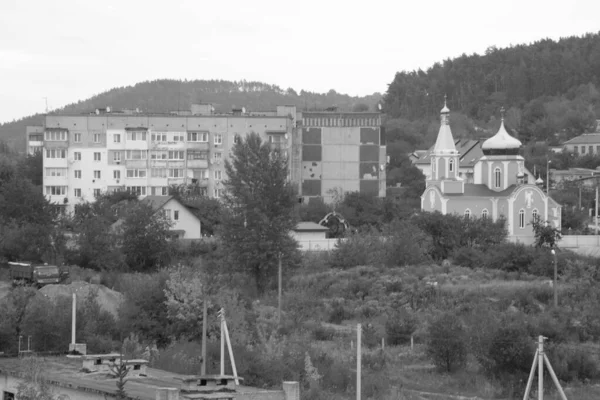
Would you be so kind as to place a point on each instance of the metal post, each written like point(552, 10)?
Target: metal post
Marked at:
point(555, 286)
point(204, 335)
point(358, 360)
point(28, 343)
point(596, 216)
point(20, 337)
point(222, 344)
point(540, 368)
point(554, 378)
point(231, 359)
point(279, 303)
point(548, 177)
point(73, 320)
point(531, 376)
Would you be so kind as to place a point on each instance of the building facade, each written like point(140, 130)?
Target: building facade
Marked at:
point(85, 155)
point(498, 189)
point(583, 145)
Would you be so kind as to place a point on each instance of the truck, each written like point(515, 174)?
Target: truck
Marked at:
point(38, 274)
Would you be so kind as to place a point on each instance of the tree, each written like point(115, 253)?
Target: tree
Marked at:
point(185, 294)
point(34, 386)
point(259, 201)
point(145, 237)
point(446, 343)
point(545, 234)
point(13, 309)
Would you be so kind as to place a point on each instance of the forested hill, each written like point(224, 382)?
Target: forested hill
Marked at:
point(171, 95)
point(547, 87)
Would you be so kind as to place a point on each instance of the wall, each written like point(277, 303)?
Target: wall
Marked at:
point(187, 221)
point(318, 245)
point(10, 383)
point(306, 236)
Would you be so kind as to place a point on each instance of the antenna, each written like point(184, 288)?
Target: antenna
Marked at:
point(45, 98)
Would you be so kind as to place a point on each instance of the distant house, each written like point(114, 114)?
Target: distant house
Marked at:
point(582, 145)
point(185, 224)
point(305, 231)
point(572, 174)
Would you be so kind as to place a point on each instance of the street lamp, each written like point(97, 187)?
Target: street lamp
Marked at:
point(548, 176)
point(555, 279)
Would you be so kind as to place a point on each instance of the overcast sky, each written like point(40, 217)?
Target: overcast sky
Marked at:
point(69, 50)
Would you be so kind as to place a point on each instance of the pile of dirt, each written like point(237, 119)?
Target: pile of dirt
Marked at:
point(108, 299)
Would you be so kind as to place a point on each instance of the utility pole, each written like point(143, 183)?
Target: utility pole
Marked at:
point(539, 359)
point(548, 176)
point(204, 335)
point(596, 216)
point(555, 286)
point(279, 288)
point(540, 368)
point(358, 360)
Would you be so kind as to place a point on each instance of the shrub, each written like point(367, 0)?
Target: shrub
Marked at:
point(574, 362)
point(468, 257)
point(399, 327)
point(511, 351)
point(323, 333)
point(338, 313)
point(446, 343)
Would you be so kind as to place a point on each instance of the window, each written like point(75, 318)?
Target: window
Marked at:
point(56, 153)
point(97, 174)
point(97, 156)
point(77, 156)
point(176, 215)
point(203, 174)
point(497, 177)
point(117, 138)
point(582, 149)
point(159, 137)
point(77, 137)
point(136, 173)
point(139, 190)
point(136, 155)
point(8, 395)
point(521, 218)
point(96, 192)
point(158, 173)
point(467, 213)
point(116, 174)
point(218, 138)
point(590, 149)
point(158, 155)
point(176, 155)
point(117, 156)
point(96, 138)
point(167, 213)
point(197, 155)
point(484, 213)
point(217, 156)
point(451, 165)
point(56, 136)
point(159, 191)
point(77, 192)
point(77, 174)
point(178, 137)
point(56, 172)
point(56, 190)
point(276, 139)
point(175, 173)
point(218, 175)
point(217, 193)
point(534, 215)
point(198, 137)
point(236, 138)
point(136, 136)
point(433, 166)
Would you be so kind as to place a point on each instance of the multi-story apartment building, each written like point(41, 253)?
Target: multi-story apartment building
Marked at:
point(85, 155)
point(35, 139)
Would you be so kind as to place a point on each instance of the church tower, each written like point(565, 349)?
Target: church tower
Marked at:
point(445, 158)
point(501, 165)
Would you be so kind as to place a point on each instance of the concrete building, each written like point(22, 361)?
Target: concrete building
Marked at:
point(498, 189)
point(35, 139)
point(341, 152)
point(329, 152)
point(583, 145)
point(560, 177)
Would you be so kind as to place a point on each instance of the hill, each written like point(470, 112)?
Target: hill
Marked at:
point(169, 95)
point(550, 89)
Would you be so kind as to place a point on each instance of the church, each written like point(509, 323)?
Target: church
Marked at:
point(500, 187)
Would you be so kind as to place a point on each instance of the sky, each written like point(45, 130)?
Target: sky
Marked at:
point(63, 51)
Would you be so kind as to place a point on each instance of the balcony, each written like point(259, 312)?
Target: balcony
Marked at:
point(198, 146)
point(176, 181)
point(136, 163)
point(201, 164)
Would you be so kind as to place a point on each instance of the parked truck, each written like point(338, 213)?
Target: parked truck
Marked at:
point(37, 274)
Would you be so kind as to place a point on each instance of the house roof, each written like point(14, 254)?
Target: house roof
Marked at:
point(586, 138)
point(480, 190)
point(310, 227)
point(157, 202)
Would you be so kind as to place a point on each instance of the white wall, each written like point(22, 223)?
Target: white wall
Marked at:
point(187, 221)
point(10, 384)
point(302, 236)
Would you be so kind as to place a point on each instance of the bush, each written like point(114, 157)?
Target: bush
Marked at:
point(446, 343)
point(399, 327)
point(511, 351)
point(469, 257)
point(574, 362)
point(323, 333)
point(338, 313)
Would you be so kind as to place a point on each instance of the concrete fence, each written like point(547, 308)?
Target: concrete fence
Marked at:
point(318, 244)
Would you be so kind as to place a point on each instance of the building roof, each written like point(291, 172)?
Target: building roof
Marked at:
point(66, 372)
point(586, 138)
point(310, 227)
point(480, 190)
point(501, 140)
point(469, 151)
point(157, 202)
point(444, 144)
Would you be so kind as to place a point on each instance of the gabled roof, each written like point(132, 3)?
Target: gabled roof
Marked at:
point(157, 202)
point(469, 151)
point(586, 138)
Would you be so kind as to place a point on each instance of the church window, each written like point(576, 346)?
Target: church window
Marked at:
point(521, 218)
point(497, 178)
point(433, 165)
point(484, 213)
point(451, 166)
point(534, 215)
point(467, 213)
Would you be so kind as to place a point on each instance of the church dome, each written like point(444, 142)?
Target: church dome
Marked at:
point(501, 142)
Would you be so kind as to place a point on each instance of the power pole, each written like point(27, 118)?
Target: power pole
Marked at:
point(279, 288)
point(539, 359)
point(596, 216)
point(204, 335)
point(358, 360)
point(555, 279)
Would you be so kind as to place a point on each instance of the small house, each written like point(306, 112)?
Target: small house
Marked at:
point(306, 231)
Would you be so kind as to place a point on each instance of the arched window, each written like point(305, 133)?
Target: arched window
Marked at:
point(497, 177)
point(484, 213)
point(534, 215)
point(451, 165)
point(467, 213)
point(521, 218)
point(433, 165)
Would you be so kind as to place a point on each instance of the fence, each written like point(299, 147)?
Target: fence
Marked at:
point(318, 244)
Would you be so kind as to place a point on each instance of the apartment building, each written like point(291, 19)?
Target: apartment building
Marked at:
point(329, 152)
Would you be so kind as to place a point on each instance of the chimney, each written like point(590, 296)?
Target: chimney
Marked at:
point(167, 394)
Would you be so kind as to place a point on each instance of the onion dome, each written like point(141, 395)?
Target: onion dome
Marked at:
point(444, 143)
point(539, 181)
point(501, 143)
